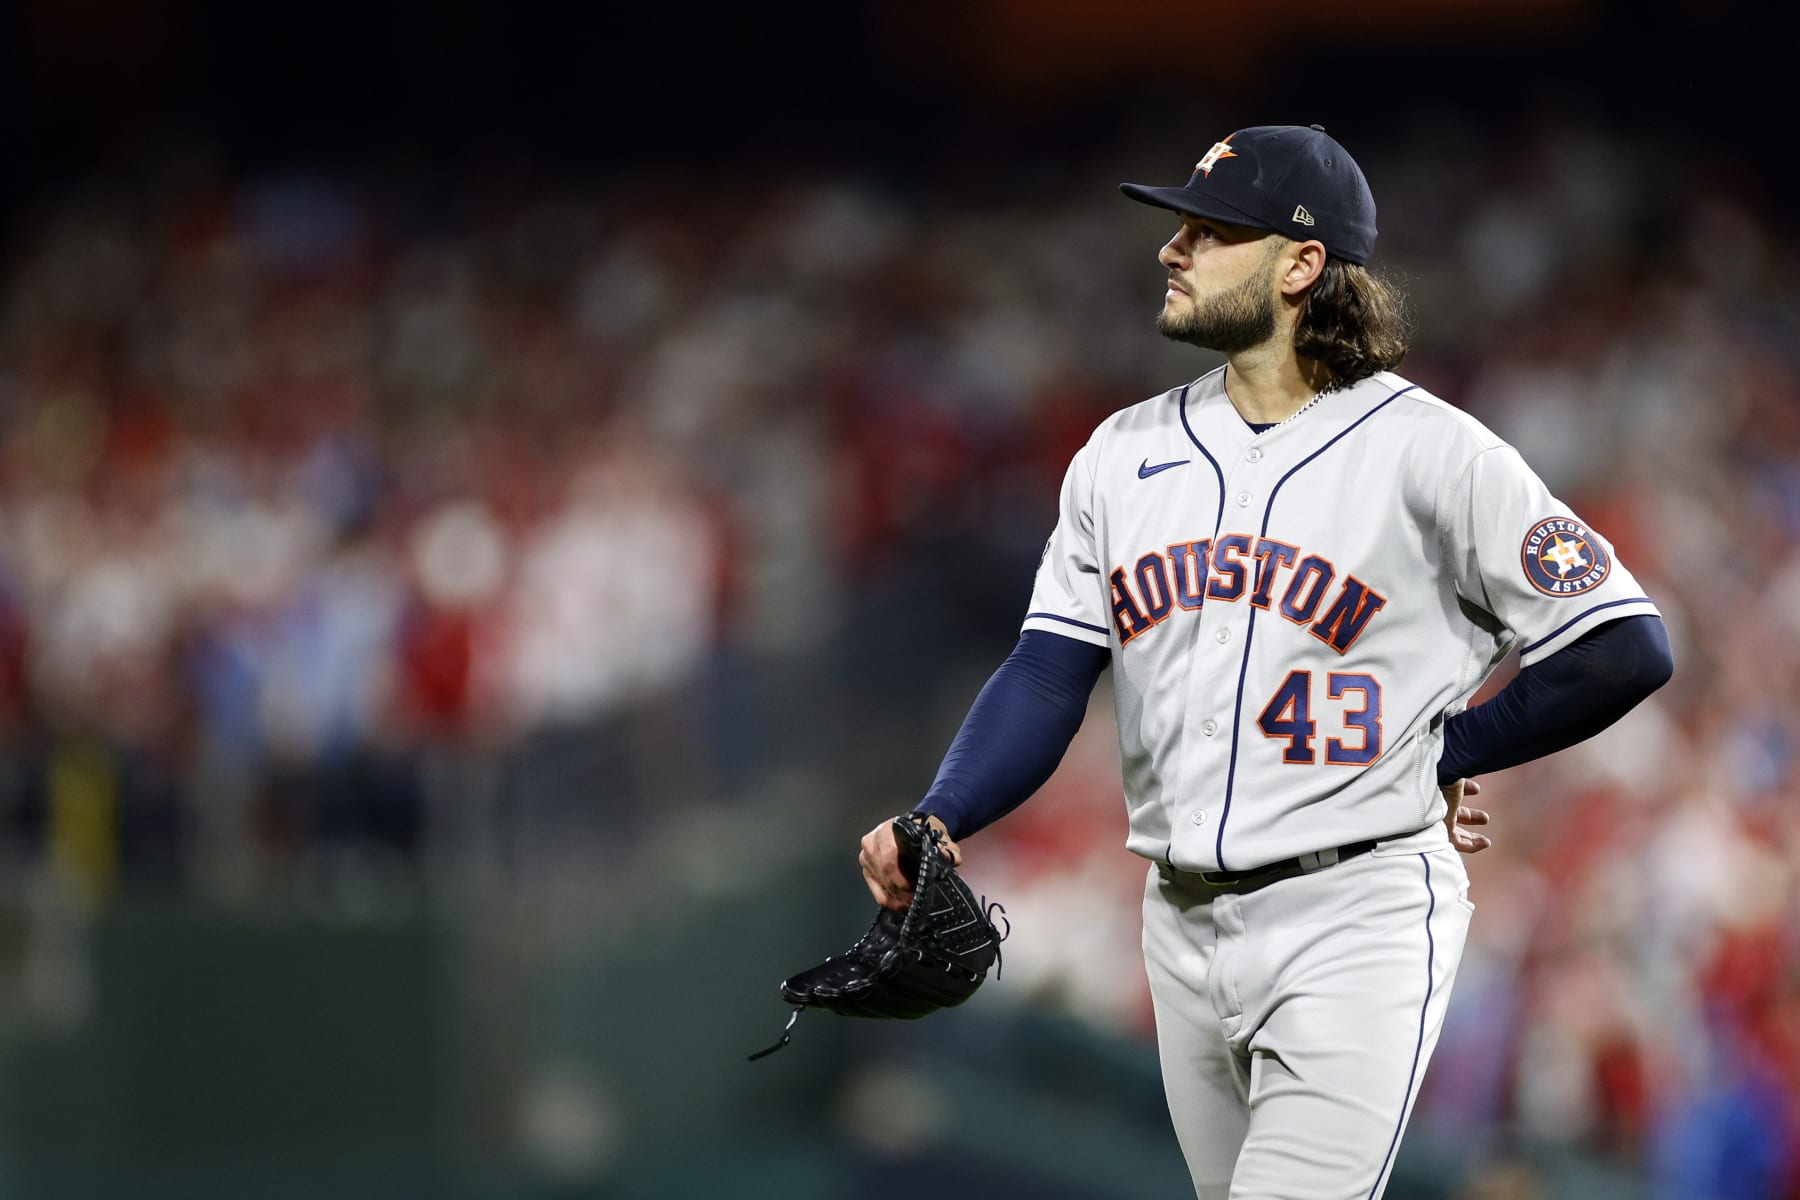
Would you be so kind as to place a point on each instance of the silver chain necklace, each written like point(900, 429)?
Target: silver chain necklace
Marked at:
point(1317, 396)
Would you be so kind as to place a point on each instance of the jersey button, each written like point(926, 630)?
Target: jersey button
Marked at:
point(1243, 499)
point(1200, 817)
point(1224, 635)
point(1209, 727)
point(1254, 454)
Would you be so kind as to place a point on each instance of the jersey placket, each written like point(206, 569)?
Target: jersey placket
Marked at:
point(1194, 842)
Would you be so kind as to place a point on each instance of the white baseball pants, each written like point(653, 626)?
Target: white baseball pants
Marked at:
point(1294, 1022)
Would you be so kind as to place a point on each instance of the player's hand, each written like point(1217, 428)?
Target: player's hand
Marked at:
point(1459, 815)
point(880, 860)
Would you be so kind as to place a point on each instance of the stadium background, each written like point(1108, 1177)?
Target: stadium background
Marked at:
point(494, 503)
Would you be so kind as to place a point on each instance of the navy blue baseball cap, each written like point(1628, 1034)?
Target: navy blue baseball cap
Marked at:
point(1291, 179)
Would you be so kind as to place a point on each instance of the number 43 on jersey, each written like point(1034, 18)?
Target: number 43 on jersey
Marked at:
point(1288, 716)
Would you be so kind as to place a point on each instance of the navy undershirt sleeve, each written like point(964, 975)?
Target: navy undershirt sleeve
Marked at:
point(1016, 732)
point(1565, 699)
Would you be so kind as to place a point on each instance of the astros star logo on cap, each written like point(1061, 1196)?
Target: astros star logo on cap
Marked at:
point(1220, 150)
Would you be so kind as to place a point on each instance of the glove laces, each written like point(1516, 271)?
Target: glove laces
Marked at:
point(787, 1035)
point(988, 910)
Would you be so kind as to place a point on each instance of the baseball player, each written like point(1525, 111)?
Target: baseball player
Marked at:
point(1300, 567)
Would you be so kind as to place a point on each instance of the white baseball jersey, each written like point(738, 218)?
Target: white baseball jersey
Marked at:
point(1293, 614)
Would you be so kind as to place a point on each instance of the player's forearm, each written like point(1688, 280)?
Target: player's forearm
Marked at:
point(1565, 699)
point(1016, 732)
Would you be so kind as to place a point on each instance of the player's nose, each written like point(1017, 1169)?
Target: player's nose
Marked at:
point(1174, 254)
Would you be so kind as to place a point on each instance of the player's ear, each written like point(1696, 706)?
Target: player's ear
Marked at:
point(1302, 263)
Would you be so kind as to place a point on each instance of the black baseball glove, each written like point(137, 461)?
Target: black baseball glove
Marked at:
point(934, 955)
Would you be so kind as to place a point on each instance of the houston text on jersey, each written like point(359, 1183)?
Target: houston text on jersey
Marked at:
point(1189, 574)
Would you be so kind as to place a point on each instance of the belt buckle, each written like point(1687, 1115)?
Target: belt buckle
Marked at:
point(1229, 880)
point(1318, 860)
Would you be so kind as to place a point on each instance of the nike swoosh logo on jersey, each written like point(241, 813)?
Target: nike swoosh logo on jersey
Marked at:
point(1145, 471)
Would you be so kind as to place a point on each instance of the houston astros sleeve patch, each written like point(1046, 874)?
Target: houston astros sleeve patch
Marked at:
point(1531, 555)
point(1561, 558)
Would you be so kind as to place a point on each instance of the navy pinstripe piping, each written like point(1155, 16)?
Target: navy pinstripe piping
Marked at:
point(1412, 1076)
point(1217, 474)
point(1069, 621)
point(1250, 628)
point(1561, 629)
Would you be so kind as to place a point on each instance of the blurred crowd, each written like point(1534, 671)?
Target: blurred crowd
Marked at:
point(341, 514)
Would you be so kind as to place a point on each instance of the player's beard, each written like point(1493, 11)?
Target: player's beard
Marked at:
point(1230, 322)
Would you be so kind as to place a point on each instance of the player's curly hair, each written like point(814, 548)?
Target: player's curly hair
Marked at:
point(1353, 322)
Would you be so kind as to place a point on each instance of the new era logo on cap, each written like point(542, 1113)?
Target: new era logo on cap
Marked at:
point(1301, 216)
